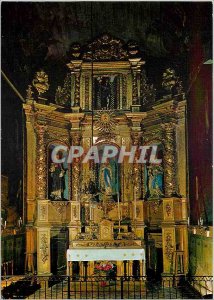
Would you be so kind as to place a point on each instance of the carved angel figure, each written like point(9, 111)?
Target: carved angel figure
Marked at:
point(41, 82)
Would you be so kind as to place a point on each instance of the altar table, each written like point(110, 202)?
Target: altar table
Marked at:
point(91, 255)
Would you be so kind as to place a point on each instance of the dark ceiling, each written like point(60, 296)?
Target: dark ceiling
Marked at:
point(38, 35)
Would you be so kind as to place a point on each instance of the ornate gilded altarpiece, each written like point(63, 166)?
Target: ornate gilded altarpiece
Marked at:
point(106, 88)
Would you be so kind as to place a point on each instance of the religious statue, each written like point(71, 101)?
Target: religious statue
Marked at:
point(106, 179)
point(57, 175)
point(105, 92)
point(155, 181)
point(91, 187)
point(41, 82)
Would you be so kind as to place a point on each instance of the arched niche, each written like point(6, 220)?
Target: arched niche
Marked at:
point(58, 173)
point(108, 174)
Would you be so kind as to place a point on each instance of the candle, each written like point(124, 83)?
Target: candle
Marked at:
point(194, 230)
point(135, 204)
point(90, 211)
point(118, 203)
point(5, 224)
point(188, 221)
point(1, 221)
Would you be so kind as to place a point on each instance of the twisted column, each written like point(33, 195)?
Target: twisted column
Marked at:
point(76, 138)
point(134, 87)
point(136, 136)
point(169, 159)
point(41, 159)
point(77, 88)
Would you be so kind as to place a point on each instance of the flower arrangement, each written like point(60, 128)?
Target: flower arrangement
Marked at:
point(104, 269)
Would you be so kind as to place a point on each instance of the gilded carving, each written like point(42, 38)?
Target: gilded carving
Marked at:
point(136, 139)
point(41, 168)
point(76, 138)
point(134, 88)
point(155, 205)
point(29, 93)
point(41, 82)
point(124, 91)
point(86, 92)
point(60, 206)
point(63, 95)
point(43, 212)
point(106, 48)
point(105, 124)
point(44, 247)
point(169, 159)
point(77, 88)
point(147, 91)
point(172, 82)
point(168, 209)
point(168, 246)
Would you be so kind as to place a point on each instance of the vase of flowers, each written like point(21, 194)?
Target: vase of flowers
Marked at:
point(104, 270)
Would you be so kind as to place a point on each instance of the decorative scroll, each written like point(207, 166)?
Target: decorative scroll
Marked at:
point(44, 247)
point(41, 162)
point(169, 159)
point(106, 48)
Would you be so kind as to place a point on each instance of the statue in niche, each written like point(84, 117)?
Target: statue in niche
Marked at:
point(106, 179)
point(155, 181)
point(57, 173)
point(108, 174)
point(106, 92)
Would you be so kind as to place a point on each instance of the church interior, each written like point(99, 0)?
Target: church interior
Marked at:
point(115, 74)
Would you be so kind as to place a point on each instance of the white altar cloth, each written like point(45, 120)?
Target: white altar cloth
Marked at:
point(95, 254)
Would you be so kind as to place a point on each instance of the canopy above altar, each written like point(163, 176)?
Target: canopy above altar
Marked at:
point(96, 254)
